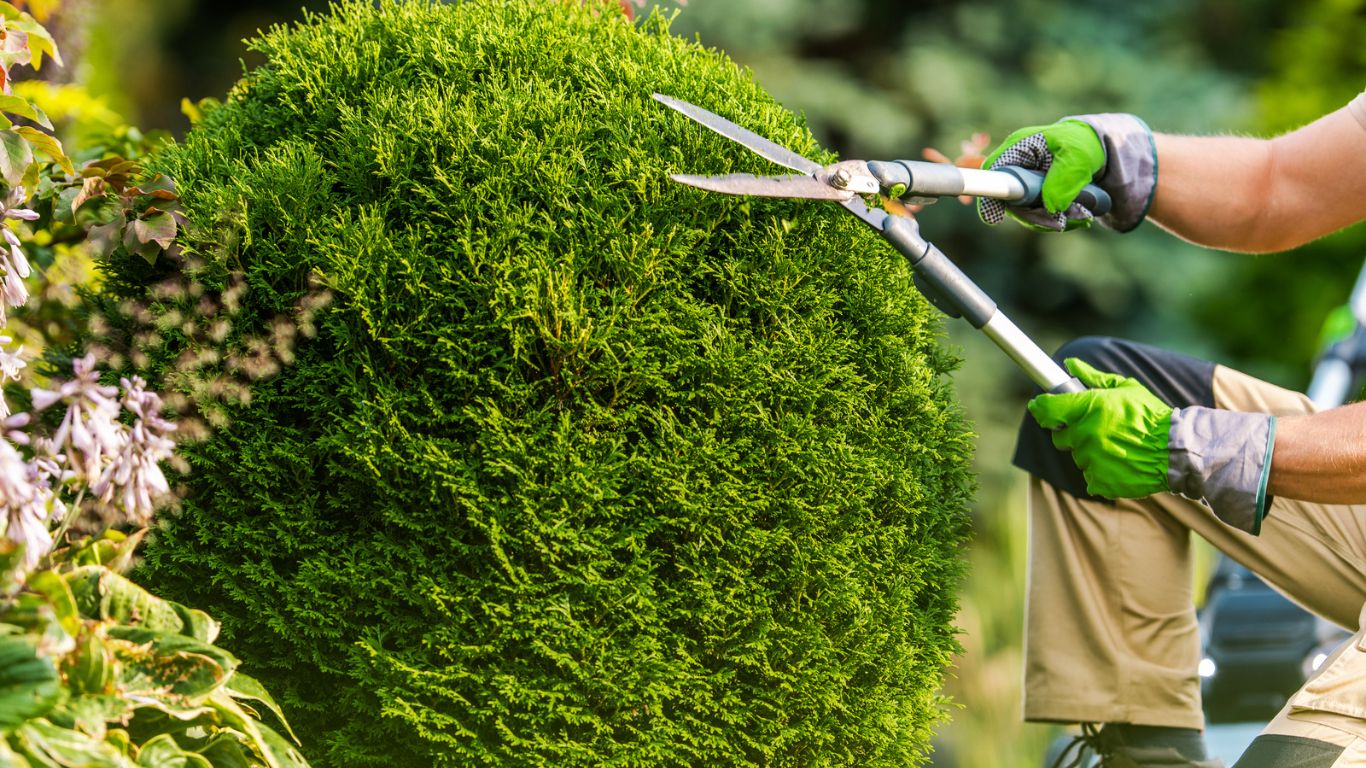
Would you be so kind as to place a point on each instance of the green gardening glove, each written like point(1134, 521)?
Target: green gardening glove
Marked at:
point(1069, 152)
point(1117, 432)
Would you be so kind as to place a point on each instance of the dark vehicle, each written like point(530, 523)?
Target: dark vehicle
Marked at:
point(1258, 646)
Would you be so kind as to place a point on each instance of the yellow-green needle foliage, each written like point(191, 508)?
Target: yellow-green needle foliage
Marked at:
point(583, 467)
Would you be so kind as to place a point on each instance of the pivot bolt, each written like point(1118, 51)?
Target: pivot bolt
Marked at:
point(840, 179)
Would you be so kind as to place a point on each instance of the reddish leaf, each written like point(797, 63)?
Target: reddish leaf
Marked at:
point(91, 188)
point(159, 227)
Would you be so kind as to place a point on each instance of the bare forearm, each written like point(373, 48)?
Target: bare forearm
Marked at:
point(1259, 195)
point(1201, 182)
point(1321, 458)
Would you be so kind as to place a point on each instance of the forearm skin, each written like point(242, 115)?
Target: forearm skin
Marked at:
point(1262, 195)
point(1321, 457)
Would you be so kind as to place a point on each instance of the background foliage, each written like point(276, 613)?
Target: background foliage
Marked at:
point(879, 78)
point(584, 467)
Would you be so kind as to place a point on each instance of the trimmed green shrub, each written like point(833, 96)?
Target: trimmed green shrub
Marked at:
point(583, 467)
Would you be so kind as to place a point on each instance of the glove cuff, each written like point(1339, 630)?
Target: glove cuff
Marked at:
point(1130, 172)
point(1223, 458)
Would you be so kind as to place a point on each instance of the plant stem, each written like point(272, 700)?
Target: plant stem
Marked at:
point(68, 518)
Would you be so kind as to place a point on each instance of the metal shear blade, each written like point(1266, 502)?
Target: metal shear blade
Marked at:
point(752, 141)
point(805, 187)
point(839, 182)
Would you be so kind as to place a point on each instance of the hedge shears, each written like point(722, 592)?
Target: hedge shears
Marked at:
point(848, 182)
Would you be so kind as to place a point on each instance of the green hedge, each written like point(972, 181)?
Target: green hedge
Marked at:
point(583, 467)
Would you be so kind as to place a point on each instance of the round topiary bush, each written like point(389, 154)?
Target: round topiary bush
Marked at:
point(583, 467)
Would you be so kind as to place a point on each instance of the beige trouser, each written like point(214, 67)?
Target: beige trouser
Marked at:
point(1111, 632)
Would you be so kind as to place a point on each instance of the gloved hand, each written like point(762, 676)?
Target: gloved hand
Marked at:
point(1129, 444)
point(1116, 431)
point(1116, 151)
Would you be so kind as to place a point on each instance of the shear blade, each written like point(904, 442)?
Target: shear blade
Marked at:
point(752, 141)
point(803, 187)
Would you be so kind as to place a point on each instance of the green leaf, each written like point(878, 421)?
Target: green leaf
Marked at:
point(196, 623)
point(22, 107)
point(16, 154)
point(91, 667)
point(280, 753)
point(102, 594)
point(11, 565)
point(267, 744)
point(52, 745)
point(29, 684)
point(185, 666)
point(40, 41)
point(152, 674)
point(12, 759)
point(227, 749)
point(91, 714)
point(53, 587)
point(48, 145)
point(112, 549)
point(243, 687)
point(162, 751)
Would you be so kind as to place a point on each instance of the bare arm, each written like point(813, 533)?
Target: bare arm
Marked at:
point(1322, 457)
point(1261, 195)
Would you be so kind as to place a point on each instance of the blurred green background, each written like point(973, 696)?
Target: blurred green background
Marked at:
point(884, 79)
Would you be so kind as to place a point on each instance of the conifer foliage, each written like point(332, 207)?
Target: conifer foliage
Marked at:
point(582, 466)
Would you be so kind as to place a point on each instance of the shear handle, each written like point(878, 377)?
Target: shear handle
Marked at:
point(1012, 184)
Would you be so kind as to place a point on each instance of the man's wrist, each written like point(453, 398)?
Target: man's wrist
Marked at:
point(1223, 458)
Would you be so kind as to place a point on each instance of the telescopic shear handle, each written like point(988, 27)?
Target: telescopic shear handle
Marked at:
point(949, 289)
point(1012, 184)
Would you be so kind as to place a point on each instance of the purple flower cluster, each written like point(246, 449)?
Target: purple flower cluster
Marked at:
point(96, 458)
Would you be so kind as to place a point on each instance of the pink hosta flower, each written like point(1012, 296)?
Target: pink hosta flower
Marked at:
point(134, 477)
point(12, 259)
point(28, 504)
point(90, 432)
point(10, 365)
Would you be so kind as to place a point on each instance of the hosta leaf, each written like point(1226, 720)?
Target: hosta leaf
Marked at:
point(11, 561)
point(47, 744)
point(185, 666)
point(280, 753)
point(91, 714)
point(196, 623)
point(162, 751)
point(243, 687)
point(29, 684)
point(54, 588)
point(112, 549)
point(227, 750)
point(102, 594)
point(268, 745)
point(11, 759)
point(91, 667)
